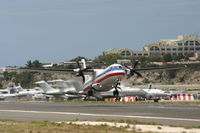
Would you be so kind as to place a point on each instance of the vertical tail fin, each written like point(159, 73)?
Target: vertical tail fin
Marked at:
point(44, 86)
point(19, 87)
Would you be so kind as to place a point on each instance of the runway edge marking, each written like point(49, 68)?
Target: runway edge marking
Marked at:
point(100, 115)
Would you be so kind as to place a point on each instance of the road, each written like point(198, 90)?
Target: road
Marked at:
point(41, 111)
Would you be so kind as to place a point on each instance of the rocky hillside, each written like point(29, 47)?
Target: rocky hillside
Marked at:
point(190, 75)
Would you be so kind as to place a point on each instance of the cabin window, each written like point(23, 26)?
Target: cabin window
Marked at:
point(174, 49)
point(186, 43)
point(168, 49)
point(191, 43)
point(180, 49)
point(162, 49)
point(197, 43)
point(197, 49)
point(180, 44)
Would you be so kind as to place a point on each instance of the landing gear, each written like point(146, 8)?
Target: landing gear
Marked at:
point(89, 96)
point(116, 93)
point(156, 100)
point(90, 93)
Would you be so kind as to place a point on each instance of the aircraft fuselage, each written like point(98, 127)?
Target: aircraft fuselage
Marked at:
point(105, 80)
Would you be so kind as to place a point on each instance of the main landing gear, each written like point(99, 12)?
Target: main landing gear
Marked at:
point(89, 96)
point(116, 92)
point(90, 93)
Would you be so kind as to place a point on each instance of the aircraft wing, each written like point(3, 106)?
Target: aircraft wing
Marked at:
point(159, 68)
point(51, 69)
point(134, 70)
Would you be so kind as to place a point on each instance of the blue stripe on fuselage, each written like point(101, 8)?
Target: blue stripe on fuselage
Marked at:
point(109, 70)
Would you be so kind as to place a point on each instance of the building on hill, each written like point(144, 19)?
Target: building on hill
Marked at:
point(126, 52)
point(9, 69)
point(182, 45)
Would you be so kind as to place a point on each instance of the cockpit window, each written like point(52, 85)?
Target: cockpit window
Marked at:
point(116, 67)
point(120, 67)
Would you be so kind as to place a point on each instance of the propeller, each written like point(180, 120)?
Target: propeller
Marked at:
point(133, 70)
point(80, 71)
point(117, 86)
point(116, 93)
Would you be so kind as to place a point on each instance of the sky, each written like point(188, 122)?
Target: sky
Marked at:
point(59, 30)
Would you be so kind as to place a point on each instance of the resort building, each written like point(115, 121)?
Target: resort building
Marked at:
point(183, 45)
point(126, 52)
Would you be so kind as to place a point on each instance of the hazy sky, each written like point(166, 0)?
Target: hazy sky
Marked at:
point(58, 30)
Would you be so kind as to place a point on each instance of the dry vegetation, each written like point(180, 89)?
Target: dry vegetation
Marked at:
point(52, 127)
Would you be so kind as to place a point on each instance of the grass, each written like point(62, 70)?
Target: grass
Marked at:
point(52, 127)
point(9, 126)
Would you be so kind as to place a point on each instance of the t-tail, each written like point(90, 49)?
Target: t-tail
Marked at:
point(19, 87)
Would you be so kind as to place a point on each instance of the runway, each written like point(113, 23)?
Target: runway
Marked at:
point(41, 111)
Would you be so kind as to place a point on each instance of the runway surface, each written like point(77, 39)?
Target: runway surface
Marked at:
point(41, 111)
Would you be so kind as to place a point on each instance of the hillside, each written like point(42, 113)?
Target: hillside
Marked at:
point(190, 75)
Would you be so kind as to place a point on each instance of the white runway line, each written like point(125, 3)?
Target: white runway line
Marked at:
point(100, 115)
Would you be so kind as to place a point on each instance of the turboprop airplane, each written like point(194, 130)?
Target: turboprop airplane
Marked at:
point(103, 80)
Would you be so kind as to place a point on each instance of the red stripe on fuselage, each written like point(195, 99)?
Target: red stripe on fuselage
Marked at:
point(107, 76)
